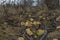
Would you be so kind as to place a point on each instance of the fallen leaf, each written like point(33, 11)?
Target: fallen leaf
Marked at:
point(20, 38)
point(40, 32)
point(29, 32)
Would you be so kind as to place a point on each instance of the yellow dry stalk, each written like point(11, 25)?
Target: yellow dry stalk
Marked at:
point(29, 32)
point(40, 32)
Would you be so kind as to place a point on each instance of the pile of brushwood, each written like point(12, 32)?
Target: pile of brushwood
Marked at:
point(27, 23)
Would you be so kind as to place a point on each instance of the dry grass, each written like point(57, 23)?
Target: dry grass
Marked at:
point(14, 19)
